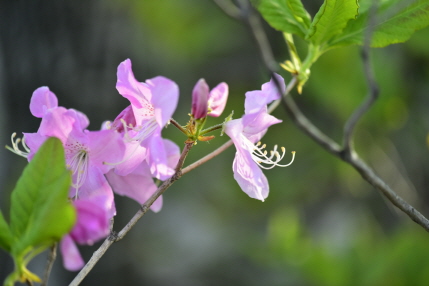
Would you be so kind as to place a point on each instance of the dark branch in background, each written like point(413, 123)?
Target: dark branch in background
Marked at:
point(373, 90)
point(346, 153)
point(52, 255)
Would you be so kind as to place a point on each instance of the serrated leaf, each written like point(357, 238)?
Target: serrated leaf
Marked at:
point(331, 19)
point(288, 16)
point(394, 25)
point(5, 234)
point(40, 210)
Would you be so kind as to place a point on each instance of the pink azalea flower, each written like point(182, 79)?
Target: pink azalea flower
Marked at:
point(248, 130)
point(205, 102)
point(139, 184)
point(152, 105)
point(86, 153)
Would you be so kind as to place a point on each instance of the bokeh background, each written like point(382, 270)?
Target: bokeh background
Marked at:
point(321, 224)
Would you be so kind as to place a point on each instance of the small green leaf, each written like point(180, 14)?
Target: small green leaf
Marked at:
point(5, 234)
point(40, 211)
point(331, 19)
point(394, 24)
point(288, 16)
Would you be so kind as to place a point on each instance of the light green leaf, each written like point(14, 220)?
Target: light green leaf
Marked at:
point(40, 211)
point(288, 16)
point(394, 24)
point(5, 234)
point(331, 19)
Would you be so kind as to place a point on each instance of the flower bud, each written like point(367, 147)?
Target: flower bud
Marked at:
point(217, 99)
point(200, 97)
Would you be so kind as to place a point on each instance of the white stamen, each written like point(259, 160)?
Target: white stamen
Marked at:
point(15, 146)
point(78, 164)
point(259, 155)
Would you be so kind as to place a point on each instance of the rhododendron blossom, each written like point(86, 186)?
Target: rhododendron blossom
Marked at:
point(247, 131)
point(152, 105)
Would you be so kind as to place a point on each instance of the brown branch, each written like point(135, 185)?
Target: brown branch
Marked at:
point(114, 237)
point(347, 154)
point(52, 255)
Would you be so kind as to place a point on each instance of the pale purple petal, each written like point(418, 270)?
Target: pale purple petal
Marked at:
point(72, 260)
point(82, 121)
point(157, 157)
point(134, 155)
point(92, 222)
point(270, 88)
point(97, 189)
point(106, 146)
point(249, 176)
point(58, 123)
point(217, 99)
point(33, 141)
point(127, 85)
point(200, 97)
point(42, 100)
point(255, 125)
point(165, 96)
point(173, 153)
point(137, 185)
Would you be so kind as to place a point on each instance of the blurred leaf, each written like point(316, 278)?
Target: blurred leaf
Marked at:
point(5, 234)
point(394, 25)
point(40, 210)
point(288, 16)
point(331, 19)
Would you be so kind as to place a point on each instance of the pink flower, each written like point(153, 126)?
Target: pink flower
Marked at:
point(205, 102)
point(139, 184)
point(248, 130)
point(86, 153)
point(152, 105)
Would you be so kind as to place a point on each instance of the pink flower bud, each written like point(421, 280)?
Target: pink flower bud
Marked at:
point(200, 97)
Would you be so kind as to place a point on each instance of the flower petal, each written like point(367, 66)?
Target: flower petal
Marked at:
point(97, 189)
point(127, 85)
point(92, 222)
point(165, 96)
point(255, 125)
point(72, 260)
point(137, 185)
point(157, 157)
point(217, 99)
point(271, 90)
point(42, 100)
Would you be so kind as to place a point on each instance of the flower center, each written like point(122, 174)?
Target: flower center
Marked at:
point(264, 161)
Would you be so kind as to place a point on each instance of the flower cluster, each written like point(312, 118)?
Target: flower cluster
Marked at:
point(127, 154)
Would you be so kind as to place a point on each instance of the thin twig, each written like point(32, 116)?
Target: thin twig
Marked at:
point(373, 90)
point(52, 255)
point(229, 8)
point(348, 154)
point(113, 237)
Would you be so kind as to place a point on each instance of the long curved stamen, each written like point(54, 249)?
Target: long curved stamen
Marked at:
point(259, 155)
point(15, 146)
point(78, 164)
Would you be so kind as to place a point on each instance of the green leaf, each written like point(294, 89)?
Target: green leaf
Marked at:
point(331, 19)
point(394, 24)
point(40, 211)
point(5, 234)
point(288, 16)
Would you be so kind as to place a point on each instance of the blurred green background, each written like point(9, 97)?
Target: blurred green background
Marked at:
point(321, 224)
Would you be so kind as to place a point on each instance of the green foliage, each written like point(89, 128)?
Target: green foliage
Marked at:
point(331, 19)
point(40, 211)
point(394, 24)
point(5, 234)
point(288, 16)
